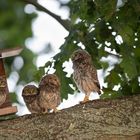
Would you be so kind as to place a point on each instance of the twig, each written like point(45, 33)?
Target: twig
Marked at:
point(114, 55)
point(65, 23)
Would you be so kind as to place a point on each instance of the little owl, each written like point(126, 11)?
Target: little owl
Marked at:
point(85, 74)
point(30, 96)
point(49, 96)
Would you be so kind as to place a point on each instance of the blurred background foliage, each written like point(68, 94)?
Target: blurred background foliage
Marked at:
point(15, 28)
point(107, 29)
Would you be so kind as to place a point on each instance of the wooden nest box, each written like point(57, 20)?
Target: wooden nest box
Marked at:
point(5, 103)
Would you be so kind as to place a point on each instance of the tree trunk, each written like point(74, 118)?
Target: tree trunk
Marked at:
point(117, 119)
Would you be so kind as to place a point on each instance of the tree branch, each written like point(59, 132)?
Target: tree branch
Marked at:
point(113, 55)
point(95, 120)
point(65, 23)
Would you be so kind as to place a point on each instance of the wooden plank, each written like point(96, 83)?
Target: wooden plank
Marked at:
point(7, 102)
point(6, 107)
point(2, 71)
point(8, 110)
point(10, 52)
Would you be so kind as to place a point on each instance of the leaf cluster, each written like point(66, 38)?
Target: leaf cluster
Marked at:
point(107, 30)
point(15, 28)
point(95, 24)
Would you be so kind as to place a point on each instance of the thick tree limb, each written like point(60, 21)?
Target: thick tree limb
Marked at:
point(96, 120)
point(64, 23)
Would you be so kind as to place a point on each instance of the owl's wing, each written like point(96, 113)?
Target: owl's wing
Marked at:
point(95, 77)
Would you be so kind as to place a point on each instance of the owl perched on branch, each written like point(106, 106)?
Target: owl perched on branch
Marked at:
point(30, 96)
point(85, 74)
point(49, 96)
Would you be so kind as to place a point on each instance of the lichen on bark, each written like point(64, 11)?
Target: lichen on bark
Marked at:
point(117, 119)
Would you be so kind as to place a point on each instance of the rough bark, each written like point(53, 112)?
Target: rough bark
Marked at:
point(117, 119)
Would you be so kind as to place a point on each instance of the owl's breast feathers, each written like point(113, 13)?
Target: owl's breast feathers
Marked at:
point(49, 92)
point(86, 79)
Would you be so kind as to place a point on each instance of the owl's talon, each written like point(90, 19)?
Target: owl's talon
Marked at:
point(55, 110)
point(86, 99)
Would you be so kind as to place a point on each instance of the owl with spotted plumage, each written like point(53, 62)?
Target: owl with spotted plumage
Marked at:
point(2, 89)
point(85, 74)
point(30, 95)
point(49, 92)
point(2, 96)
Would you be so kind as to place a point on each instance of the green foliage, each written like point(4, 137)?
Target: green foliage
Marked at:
point(92, 24)
point(13, 98)
point(65, 88)
point(128, 62)
point(13, 21)
point(15, 27)
point(111, 94)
